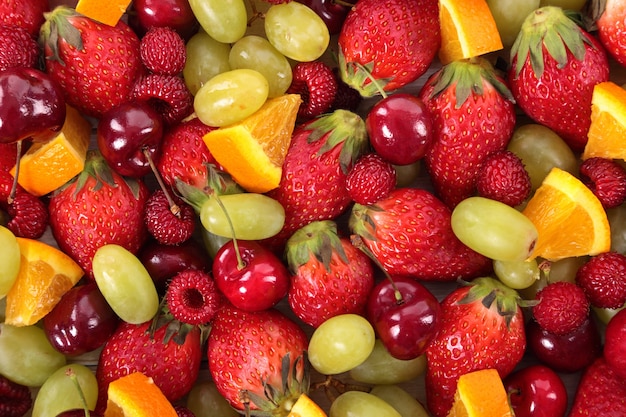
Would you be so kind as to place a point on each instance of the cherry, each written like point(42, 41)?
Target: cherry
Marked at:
point(249, 275)
point(615, 343)
point(175, 14)
point(536, 391)
point(332, 12)
point(405, 315)
point(400, 128)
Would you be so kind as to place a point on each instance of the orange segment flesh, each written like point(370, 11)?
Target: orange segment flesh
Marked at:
point(480, 394)
point(45, 274)
point(136, 395)
point(253, 150)
point(607, 132)
point(108, 12)
point(47, 166)
point(569, 218)
point(468, 29)
point(306, 407)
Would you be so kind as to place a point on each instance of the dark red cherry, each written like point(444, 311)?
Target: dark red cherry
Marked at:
point(332, 12)
point(175, 14)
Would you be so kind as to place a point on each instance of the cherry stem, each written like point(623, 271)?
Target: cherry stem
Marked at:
point(174, 208)
point(344, 3)
point(240, 264)
point(256, 14)
point(17, 173)
point(72, 375)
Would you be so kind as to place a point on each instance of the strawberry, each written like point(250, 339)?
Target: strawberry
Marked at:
point(316, 83)
point(473, 115)
point(554, 66)
point(482, 326)
point(254, 354)
point(409, 233)
point(391, 42)
point(27, 15)
point(19, 48)
point(98, 207)
point(609, 22)
point(600, 392)
point(329, 275)
point(96, 64)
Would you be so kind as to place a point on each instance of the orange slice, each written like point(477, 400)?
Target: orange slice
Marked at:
point(468, 29)
point(607, 133)
point(47, 166)
point(45, 274)
point(480, 394)
point(253, 150)
point(136, 395)
point(306, 407)
point(108, 12)
point(569, 218)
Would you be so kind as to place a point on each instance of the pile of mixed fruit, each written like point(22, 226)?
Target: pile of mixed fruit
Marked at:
point(315, 204)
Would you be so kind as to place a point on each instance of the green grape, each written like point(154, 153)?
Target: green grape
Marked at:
point(400, 399)
point(204, 400)
point(230, 97)
point(541, 149)
point(361, 404)
point(125, 284)
point(206, 58)
point(565, 4)
point(407, 174)
point(60, 393)
point(224, 20)
point(255, 52)
point(561, 270)
point(517, 274)
point(212, 242)
point(9, 259)
point(296, 31)
point(509, 16)
point(26, 355)
point(617, 222)
point(253, 216)
point(382, 368)
point(605, 314)
point(494, 229)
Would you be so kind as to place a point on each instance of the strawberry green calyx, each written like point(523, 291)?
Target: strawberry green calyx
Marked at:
point(56, 27)
point(318, 239)
point(492, 294)
point(360, 77)
point(552, 28)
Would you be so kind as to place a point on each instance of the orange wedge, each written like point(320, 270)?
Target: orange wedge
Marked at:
point(136, 395)
point(480, 394)
point(569, 218)
point(47, 166)
point(108, 12)
point(253, 150)
point(607, 133)
point(468, 29)
point(45, 275)
point(306, 407)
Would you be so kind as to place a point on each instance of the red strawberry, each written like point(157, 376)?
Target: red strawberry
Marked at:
point(27, 213)
point(609, 22)
point(19, 48)
point(26, 15)
point(562, 307)
point(473, 116)
point(316, 83)
point(482, 326)
point(98, 207)
point(409, 233)
point(96, 64)
point(250, 351)
point(329, 275)
point(600, 392)
point(503, 177)
point(371, 179)
point(554, 67)
point(163, 51)
point(392, 41)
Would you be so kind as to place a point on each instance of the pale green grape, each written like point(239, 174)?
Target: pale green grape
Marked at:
point(517, 274)
point(494, 229)
point(605, 314)
point(407, 174)
point(255, 52)
point(26, 355)
point(566, 4)
point(541, 149)
point(617, 222)
point(509, 16)
point(341, 343)
point(562, 270)
point(206, 58)
point(9, 259)
point(212, 242)
point(382, 368)
point(361, 404)
point(125, 284)
point(296, 31)
point(204, 400)
point(224, 20)
point(60, 393)
point(401, 400)
point(253, 216)
point(230, 97)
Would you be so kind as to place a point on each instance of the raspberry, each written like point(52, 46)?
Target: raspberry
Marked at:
point(317, 86)
point(15, 399)
point(346, 98)
point(170, 222)
point(563, 307)
point(163, 52)
point(29, 216)
point(192, 297)
point(371, 179)
point(183, 411)
point(606, 179)
point(502, 177)
point(168, 94)
point(603, 278)
point(19, 49)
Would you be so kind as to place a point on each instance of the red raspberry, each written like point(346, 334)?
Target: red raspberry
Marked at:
point(19, 49)
point(563, 307)
point(502, 177)
point(347, 98)
point(606, 178)
point(183, 411)
point(168, 94)
point(603, 278)
point(317, 86)
point(15, 399)
point(28, 214)
point(192, 297)
point(371, 179)
point(170, 222)
point(163, 52)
